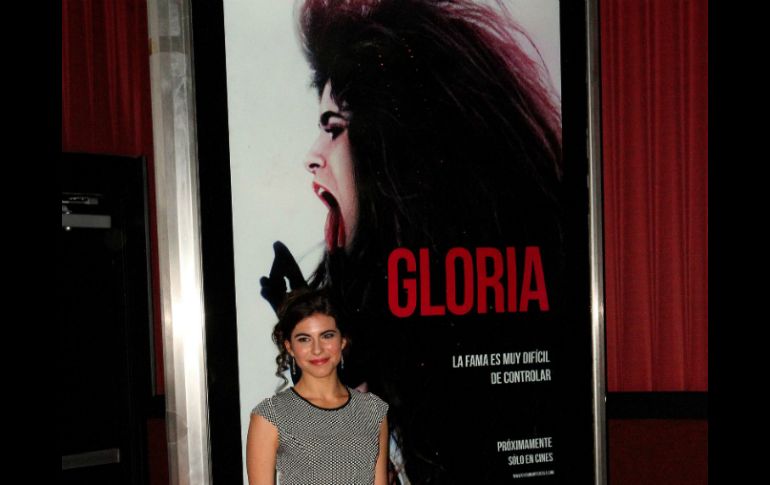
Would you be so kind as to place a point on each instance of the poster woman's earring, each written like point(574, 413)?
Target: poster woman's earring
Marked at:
point(342, 361)
point(293, 366)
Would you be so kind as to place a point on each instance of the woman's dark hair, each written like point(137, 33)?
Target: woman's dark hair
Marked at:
point(300, 304)
point(455, 134)
point(445, 106)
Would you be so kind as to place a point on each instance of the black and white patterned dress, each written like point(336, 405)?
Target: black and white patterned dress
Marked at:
point(318, 446)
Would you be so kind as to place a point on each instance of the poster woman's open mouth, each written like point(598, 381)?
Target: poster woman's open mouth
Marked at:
point(334, 231)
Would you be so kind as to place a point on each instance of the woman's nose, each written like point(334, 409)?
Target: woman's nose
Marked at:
point(315, 158)
point(316, 347)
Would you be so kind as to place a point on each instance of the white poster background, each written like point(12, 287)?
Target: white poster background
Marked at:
point(273, 120)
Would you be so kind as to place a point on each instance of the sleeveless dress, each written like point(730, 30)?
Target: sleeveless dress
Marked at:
point(318, 446)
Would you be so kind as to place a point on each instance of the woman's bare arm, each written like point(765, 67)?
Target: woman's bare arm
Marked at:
point(381, 468)
point(261, 450)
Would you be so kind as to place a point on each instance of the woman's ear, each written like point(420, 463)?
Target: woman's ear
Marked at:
point(287, 345)
point(344, 343)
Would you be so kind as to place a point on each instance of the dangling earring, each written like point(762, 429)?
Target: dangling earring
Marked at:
point(342, 361)
point(293, 367)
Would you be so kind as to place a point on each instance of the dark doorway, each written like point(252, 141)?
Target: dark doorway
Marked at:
point(105, 321)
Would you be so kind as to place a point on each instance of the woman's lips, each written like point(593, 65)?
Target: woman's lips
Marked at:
point(319, 361)
point(334, 231)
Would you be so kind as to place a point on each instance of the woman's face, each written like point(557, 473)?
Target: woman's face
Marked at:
point(316, 344)
point(331, 162)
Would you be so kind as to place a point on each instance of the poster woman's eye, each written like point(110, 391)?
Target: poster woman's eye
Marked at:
point(333, 122)
point(334, 130)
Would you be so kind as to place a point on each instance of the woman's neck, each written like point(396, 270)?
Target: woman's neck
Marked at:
point(322, 391)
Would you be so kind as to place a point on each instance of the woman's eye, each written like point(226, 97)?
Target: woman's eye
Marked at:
point(303, 339)
point(329, 335)
point(334, 130)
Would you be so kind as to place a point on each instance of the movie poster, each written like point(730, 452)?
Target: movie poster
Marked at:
point(409, 156)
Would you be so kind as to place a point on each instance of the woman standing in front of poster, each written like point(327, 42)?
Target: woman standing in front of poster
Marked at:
point(438, 132)
point(319, 431)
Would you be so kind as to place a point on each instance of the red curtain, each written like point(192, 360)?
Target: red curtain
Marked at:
point(105, 77)
point(654, 63)
point(106, 105)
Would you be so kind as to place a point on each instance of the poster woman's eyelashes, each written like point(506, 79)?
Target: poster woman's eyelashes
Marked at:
point(333, 122)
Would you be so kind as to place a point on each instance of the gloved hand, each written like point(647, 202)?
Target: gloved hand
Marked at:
point(284, 267)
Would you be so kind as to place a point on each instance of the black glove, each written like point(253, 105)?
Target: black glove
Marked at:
point(284, 266)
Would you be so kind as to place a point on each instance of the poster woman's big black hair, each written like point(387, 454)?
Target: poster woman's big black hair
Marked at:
point(454, 129)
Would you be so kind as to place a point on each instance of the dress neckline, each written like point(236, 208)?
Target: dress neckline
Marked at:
point(350, 396)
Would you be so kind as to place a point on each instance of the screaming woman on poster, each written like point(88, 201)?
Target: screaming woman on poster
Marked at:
point(438, 131)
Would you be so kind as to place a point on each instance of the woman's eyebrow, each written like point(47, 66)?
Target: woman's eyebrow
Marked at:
point(324, 119)
point(320, 333)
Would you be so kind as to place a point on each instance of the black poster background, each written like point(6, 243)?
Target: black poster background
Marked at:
point(463, 427)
